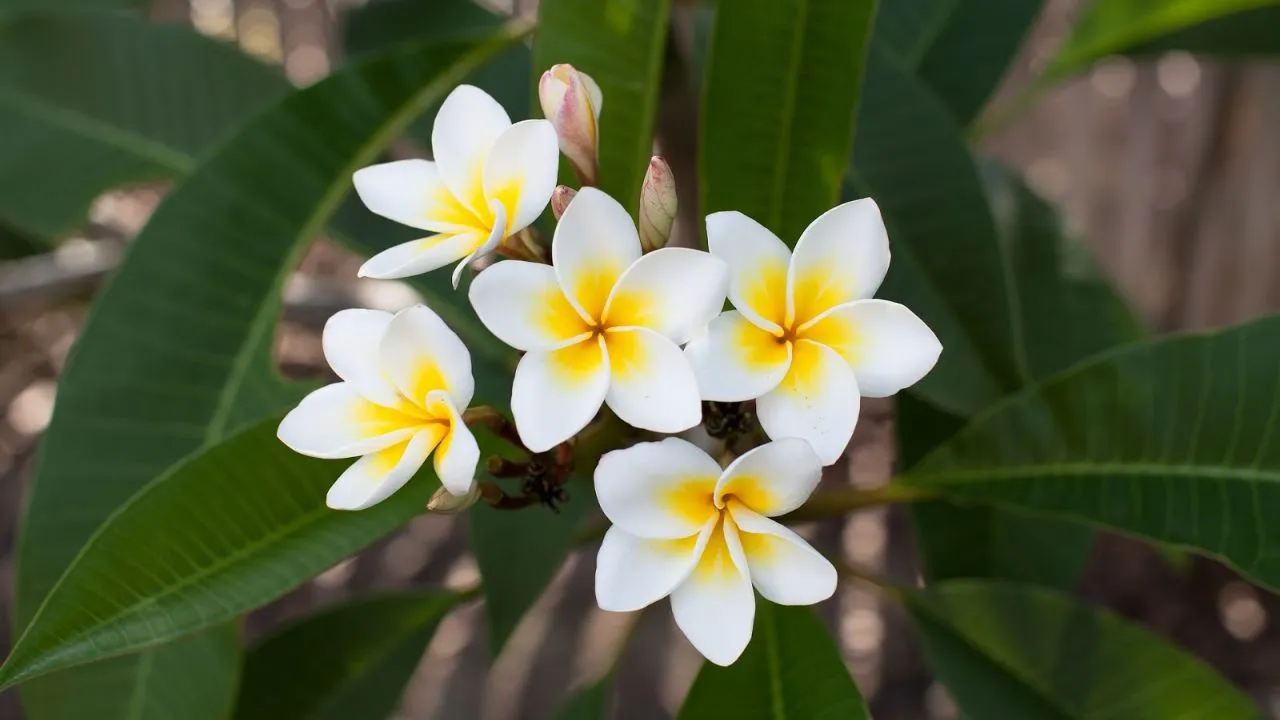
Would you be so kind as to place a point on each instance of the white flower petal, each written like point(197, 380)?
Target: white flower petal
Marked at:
point(651, 386)
point(350, 341)
point(488, 245)
point(374, 477)
point(715, 606)
point(783, 567)
point(674, 291)
point(522, 304)
point(412, 193)
point(758, 263)
point(465, 130)
point(888, 347)
point(772, 479)
point(555, 394)
point(658, 490)
point(420, 354)
point(841, 257)
point(521, 172)
point(595, 242)
point(337, 422)
point(817, 401)
point(633, 572)
point(420, 256)
point(734, 360)
point(457, 454)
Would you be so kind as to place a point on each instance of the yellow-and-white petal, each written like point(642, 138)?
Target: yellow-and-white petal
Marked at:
point(658, 490)
point(522, 304)
point(491, 243)
point(772, 479)
point(556, 393)
point(758, 263)
point(412, 193)
point(817, 401)
point(887, 345)
point(421, 354)
point(594, 243)
point(420, 256)
point(734, 360)
point(336, 421)
point(841, 257)
point(633, 572)
point(521, 172)
point(374, 477)
point(457, 454)
point(673, 291)
point(715, 606)
point(784, 568)
point(651, 385)
point(350, 341)
point(465, 131)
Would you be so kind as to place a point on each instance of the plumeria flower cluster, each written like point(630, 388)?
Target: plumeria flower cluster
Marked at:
point(611, 317)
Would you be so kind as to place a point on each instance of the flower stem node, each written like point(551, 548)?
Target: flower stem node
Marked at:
point(657, 205)
point(571, 100)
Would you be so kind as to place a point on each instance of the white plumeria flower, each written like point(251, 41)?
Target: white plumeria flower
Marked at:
point(604, 325)
point(406, 379)
point(683, 528)
point(490, 180)
point(804, 337)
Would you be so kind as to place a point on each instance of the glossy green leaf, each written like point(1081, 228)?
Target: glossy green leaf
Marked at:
point(226, 531)
point(97, 100)
point(908, 27)
point(1114, 27)
point(1171, 440)
point(1015, 651)
point(791, 669)
point(590, 703)
point(779, 98)
point(622, 45)
point(350, 662)
point(1243, 34)
point(152, 381)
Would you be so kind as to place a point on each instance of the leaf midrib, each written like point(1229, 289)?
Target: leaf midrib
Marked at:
point(1084, 468)
point(789, 98)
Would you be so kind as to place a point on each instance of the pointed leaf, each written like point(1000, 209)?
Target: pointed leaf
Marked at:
point(791, 669)
point(349, 662)
point(1006, 650)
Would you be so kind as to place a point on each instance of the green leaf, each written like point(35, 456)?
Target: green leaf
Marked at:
point(225, 531)
point(621, 44)
point(908, 27)
point(779, 99)
point(1114, 27)
point(350, 662)
point(791, 669)
point(149, 381)
point(590, 703)
point(1244, 34)
point(63, 5)
point(16, 244)
point(1006, 650)
point(97, 100)
point(1172, 440)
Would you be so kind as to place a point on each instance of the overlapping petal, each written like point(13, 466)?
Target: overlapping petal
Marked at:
point(841, 257)
point(715, 606)
point(783, 567)
point(758, 263)
point(421, 354)
point(522, 304)
point(734, 360)
point(658, 490)
point(887, 345)
point(651, 385)
point(457, 454)
point(772, 479)
point(674, 291)
point(633, 572)
point(465, 130)
point(424, 255)
point(336, 421)
point(350, 341)
point(817, 401)
point(411, 192)
point(374, 477)
point(556, 393)
point(595, 242)
point(520, 172)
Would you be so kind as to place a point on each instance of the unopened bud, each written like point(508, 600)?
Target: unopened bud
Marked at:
point(560, 198)
point(657, 205)
point(571, 100)
point(445, 503)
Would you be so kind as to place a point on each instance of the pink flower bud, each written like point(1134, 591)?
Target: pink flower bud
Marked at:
point(560, 198)
point(657, 205)
point(571, 100)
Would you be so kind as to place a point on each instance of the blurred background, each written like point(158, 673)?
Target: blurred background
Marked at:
point(1168, 169)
